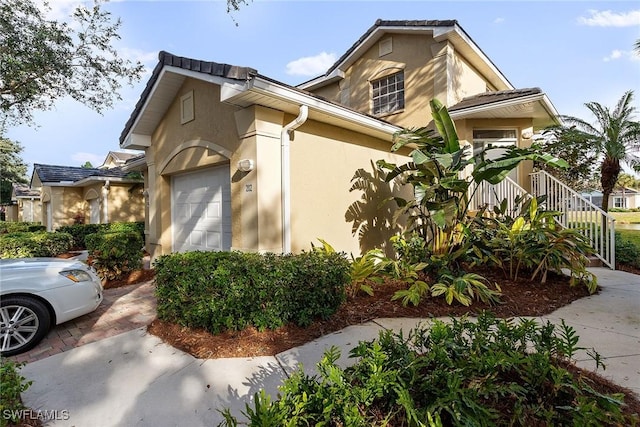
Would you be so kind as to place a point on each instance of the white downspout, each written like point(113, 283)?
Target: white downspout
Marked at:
point(105, 202)
point(285, 143)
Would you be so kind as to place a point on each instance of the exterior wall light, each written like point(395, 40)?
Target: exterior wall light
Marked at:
point(245, 165)
point(527, 134)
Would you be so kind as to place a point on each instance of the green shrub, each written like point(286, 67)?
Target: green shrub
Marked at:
point(18, 227)
point(232, 290)
point(40, 244)
point(532, 243)
point(492, 372)
point(134, 227)
point(115, 254)
point(627, 252)
point(81, 231)
point(12, 384)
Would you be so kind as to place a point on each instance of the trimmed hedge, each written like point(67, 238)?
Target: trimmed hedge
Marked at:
point(29, 245)
point(115, 254)
point(81, 231)
point(218, 291)
point(19, 227)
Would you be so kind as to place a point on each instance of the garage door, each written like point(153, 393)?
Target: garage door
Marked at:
point(201, 210)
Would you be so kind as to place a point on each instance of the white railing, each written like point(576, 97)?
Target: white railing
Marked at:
point(490, 195)
point(578, 213)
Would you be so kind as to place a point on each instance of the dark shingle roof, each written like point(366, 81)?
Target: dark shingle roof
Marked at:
point(134, 158)
point(492, 97)
point(167, 59)
point(52, 173)
point(386, 23)
point(24, 191)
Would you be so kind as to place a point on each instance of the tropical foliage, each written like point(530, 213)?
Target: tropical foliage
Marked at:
point(614, 138)
point(438, 213)
point(532, 242)
point(489, 372)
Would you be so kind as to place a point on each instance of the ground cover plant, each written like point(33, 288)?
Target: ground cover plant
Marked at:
point(482, 372)
point(12, 384)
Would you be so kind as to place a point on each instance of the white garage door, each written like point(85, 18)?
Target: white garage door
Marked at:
point(201, 210)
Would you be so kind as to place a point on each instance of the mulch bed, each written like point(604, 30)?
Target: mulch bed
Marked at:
point(519, 298)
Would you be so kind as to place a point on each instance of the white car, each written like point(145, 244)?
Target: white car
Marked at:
point(38, 293)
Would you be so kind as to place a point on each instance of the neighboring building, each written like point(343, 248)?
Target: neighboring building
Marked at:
point(624, 198)
point(621, 198)
point(87, 195)
point(27, 204)
point(116, 159)
point(593, 196)
point(236, 160)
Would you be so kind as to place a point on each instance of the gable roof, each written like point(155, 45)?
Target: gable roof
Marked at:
point(120, 156)
point(516, 103)
point(440, 29)
point(242, 87)
point(20, 191)
point(71, 176)
point(625, 190)
point(166, 61)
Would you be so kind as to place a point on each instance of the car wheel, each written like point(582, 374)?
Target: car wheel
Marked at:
point(24, 322)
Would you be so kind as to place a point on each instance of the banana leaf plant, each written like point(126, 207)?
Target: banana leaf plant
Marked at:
point(438, 212)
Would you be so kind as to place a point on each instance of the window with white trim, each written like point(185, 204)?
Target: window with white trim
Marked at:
point(619, 202)
point(388, 94)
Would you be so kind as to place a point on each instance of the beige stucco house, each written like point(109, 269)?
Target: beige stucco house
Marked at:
point(236, 160)
point(73, 195)
point(28, 207)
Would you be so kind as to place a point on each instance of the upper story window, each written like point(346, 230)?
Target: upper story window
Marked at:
point(388, 94)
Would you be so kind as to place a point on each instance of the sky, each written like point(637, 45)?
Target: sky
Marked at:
point(575, 51)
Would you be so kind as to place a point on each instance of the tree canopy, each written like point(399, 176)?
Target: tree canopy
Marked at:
point(43, 60)
point(614, 137)
point(578, 149)
point(12, 168)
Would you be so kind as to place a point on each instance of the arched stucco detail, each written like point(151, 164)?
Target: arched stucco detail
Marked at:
point(91, 194)
point(46, 197)
point(199, 143)
point(386, 70)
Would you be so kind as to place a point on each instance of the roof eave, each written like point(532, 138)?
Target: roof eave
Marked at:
point(454, 33)
point(140, 140)
point(541, 98)
point(320, 110)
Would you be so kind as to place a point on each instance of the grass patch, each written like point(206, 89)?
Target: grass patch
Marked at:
point(626, 217)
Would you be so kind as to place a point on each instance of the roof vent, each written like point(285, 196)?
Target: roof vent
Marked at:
point(385, 47)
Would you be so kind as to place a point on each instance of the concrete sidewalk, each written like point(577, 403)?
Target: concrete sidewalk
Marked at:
point(134, 379)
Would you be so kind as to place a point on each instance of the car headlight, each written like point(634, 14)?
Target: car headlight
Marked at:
point(77, 275)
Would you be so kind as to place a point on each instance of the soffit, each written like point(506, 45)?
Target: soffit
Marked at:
point(535, 107)
point(162, 95)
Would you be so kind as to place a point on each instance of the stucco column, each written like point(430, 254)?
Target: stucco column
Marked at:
point(151, 216)
point(443, 73)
